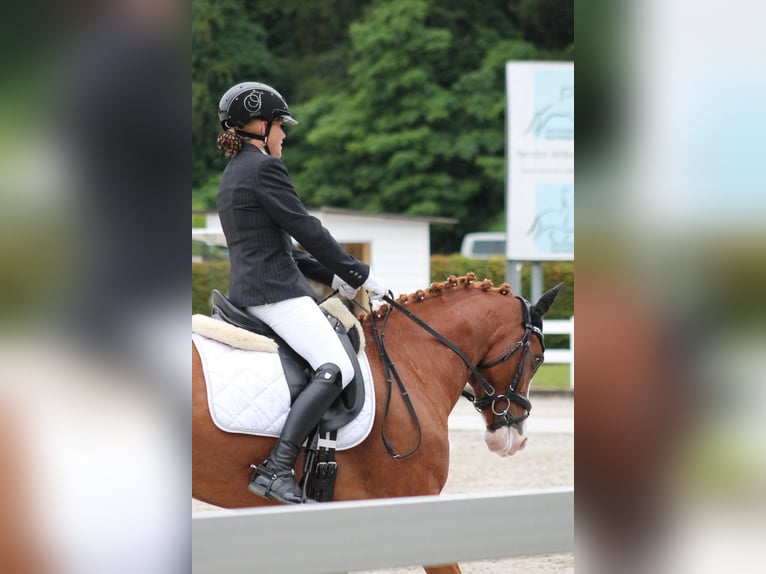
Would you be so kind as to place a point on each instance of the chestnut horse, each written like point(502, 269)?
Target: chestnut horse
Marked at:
point(499, 335)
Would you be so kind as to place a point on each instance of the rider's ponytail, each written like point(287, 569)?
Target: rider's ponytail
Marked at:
point(230, 142)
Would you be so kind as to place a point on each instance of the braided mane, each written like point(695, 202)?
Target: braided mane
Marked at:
point(467, 281)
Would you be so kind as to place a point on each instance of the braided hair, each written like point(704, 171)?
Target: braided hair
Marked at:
point(230, 142)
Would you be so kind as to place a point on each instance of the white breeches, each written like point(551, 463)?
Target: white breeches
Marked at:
point(303, 326)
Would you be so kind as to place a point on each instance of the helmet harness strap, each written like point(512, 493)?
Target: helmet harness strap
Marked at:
point(264, 138)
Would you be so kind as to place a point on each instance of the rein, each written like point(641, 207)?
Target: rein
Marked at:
point(390, 369)
point(446, 342)
point(490, 400)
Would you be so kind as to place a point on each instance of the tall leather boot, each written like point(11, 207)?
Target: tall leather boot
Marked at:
point(275, 477)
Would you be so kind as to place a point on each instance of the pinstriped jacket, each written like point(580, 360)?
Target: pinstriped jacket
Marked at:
point(260, 211)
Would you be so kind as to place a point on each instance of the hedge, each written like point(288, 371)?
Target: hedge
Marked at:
point(209, 275)
point(206, 276)
point(442, 266)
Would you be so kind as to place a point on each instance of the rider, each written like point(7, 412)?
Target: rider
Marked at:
point(260, 212)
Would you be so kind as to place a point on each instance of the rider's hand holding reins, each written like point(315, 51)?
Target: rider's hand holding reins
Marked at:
point(344, 288)
point(375, 289)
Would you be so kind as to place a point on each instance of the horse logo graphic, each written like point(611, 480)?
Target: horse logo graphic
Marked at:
point(252, 102)
point(553, 227)
point(555, 120)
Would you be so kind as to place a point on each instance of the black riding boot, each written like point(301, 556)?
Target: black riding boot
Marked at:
point(275, 477)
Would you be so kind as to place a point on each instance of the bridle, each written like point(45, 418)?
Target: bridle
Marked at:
point(511, 394)
point(489, 400)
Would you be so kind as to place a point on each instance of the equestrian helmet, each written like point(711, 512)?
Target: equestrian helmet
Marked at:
point(249, 100)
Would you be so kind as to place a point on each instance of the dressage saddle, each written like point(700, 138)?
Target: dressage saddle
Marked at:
point(297, 371)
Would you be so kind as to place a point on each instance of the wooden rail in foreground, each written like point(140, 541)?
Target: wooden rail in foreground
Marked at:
point(340, 537)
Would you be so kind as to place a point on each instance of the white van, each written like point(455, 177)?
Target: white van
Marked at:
point(483, 244)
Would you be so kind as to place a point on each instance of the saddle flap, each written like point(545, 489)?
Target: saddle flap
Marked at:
point(351, 400)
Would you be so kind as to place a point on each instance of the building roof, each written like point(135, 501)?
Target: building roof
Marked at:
point(360, 213)
point(379, 215)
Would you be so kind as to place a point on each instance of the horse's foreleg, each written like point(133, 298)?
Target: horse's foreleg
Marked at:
point(443, 569)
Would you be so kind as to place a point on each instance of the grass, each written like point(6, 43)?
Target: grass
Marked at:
point(551, 377)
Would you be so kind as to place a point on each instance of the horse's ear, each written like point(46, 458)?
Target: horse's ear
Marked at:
point(546, 299)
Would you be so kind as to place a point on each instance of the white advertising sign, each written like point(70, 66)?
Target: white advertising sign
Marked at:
point(540, 172)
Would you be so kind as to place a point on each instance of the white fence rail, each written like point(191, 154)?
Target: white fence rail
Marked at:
point(561, 356)
point(361, 535)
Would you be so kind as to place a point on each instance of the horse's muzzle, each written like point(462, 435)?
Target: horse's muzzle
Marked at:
point(506, 440)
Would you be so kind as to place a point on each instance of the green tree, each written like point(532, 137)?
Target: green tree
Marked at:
point(401, 103)
point(310, 42)
point(475, 26)
point(548, 24)
point(375, 145)
point(227, 47)
point(410, 133)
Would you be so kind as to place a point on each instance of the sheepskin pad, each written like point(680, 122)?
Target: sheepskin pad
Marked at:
point(243, 339)
point(232, 336)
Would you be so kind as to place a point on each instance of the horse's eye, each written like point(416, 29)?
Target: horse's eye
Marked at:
point(539, 360)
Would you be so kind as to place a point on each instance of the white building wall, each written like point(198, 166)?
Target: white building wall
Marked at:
point(399, 249)
point(213, 222)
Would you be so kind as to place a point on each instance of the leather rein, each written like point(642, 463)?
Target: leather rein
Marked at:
point(489, 400)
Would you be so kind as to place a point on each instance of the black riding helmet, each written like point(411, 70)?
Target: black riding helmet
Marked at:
point(249, 100)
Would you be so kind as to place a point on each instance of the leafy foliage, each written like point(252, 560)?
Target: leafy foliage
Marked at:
point(401, 103)
point(209, 275)
point(206, 276)
point(546, 23)
point(226, 48)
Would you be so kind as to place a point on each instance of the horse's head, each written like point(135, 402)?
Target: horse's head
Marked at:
point(506, 373)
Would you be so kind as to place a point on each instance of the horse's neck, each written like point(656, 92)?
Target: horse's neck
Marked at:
point(414, 348)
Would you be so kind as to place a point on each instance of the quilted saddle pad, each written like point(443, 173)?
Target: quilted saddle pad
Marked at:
point(247, 392)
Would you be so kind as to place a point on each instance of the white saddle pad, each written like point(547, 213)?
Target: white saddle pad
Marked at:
point(248, 394)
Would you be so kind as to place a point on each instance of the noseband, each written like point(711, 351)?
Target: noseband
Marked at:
point(511, 394)
point(490, 400)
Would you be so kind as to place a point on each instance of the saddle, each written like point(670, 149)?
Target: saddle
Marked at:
point(297, 371)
